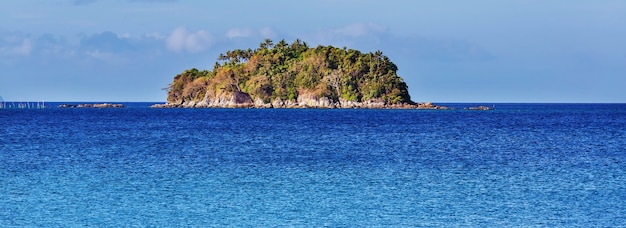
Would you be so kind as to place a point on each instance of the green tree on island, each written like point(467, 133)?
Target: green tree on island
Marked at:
point(285, 71)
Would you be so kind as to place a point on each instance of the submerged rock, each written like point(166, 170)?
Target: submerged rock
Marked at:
point(67, 106)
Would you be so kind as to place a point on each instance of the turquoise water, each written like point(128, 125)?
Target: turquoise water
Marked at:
point(519, 165)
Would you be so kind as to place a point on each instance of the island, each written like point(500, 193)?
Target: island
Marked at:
point(102, 105)
point(284, 75)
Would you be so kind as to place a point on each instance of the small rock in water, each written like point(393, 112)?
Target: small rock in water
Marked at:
point(480, 108)
point(103, 105)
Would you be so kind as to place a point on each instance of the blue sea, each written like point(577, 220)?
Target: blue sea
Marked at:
point(518, 165)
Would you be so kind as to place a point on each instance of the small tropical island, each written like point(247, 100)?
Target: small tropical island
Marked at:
point(284, 75)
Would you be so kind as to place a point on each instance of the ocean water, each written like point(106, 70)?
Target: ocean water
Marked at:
point(518, 165)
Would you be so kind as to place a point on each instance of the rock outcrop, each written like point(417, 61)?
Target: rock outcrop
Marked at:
point(101, 105)
point(479, 108)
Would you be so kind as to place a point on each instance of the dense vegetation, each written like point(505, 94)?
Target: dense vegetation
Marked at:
point(285, 70)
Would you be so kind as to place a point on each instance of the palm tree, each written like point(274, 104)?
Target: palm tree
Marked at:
point(281, 44)
point(266, 44)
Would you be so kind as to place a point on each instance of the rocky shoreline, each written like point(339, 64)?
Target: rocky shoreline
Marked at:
point(290, 104)
point(243, 100)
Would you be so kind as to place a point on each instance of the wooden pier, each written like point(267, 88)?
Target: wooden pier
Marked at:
point(22, 105)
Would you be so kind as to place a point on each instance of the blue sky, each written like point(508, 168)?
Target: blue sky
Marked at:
point(447, 51)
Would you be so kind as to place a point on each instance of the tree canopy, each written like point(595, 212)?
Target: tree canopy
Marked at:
point(283, 70)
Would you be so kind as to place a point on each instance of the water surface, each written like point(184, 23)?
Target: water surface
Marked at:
point(519, 165)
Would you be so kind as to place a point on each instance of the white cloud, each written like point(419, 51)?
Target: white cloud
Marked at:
point(15, 45)
point(238, 32)
point(348, 35)
point(267, 32)
point(100, 55)
point(155, 35)
point(125, 36)
point(360, 29)
point(24, 48)
point(182, 40)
